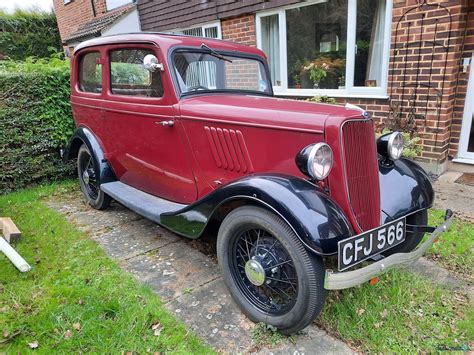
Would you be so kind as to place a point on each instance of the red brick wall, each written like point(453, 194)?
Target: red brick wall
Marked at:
point(240, 29)
point(77, 12)
point(462, 82)
point(433, 127)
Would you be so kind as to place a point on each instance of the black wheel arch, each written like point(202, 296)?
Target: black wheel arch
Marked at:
point(404, 188)
point(84, 135)
point(314, 217)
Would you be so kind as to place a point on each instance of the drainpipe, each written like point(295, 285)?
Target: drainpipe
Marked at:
point(93, 8)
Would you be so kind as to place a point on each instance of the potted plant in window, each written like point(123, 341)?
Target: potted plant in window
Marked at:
point(297, 81)
point(317, 72)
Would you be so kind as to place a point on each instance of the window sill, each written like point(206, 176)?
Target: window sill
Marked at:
point(330, 93)
point(463, 161)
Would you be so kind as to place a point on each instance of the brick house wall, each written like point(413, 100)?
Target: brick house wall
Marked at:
point(439, 70)
point(240, 29)
point(77, 12)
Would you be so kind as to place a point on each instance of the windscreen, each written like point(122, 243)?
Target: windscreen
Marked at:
point(200, 72)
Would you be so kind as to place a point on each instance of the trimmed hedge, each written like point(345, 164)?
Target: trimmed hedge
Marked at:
point(26, 33)
point(35, 122)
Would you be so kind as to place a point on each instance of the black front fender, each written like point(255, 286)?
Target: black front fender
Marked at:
point(83, 135)
point(313, 215)
point(404, 188)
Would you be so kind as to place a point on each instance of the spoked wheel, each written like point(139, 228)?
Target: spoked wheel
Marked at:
point(265, 271)
point(268, 271)
point(88, 179)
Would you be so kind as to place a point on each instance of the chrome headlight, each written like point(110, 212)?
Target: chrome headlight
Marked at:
point(315, 160)
point(391, 145)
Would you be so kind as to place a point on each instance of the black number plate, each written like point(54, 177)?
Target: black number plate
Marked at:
point(356, 249)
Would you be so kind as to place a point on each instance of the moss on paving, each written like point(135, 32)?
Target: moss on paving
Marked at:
point(76, 299)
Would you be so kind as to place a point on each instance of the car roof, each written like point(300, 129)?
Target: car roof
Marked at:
point(166, 41)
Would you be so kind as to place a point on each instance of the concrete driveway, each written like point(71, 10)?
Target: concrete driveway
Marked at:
point(184, 274)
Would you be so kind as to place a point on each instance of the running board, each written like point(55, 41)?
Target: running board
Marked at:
point(146, 205)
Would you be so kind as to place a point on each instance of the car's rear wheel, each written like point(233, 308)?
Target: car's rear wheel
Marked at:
point(88, 173)
point(412, 239)
point(269, 273)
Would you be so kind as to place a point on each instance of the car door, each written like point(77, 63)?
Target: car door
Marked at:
point(146, 139)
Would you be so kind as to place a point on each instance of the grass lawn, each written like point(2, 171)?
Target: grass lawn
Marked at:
point(402, 313)
point(455, 248)
point(76, 299)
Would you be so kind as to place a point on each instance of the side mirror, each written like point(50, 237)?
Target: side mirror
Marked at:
point(150, 63)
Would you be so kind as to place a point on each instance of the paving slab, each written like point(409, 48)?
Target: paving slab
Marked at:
point(212, 314)
point(134, 238)
point(184, 274)
point(441, 276)
point(455, 196)
point(312, 340)
point(172, 269)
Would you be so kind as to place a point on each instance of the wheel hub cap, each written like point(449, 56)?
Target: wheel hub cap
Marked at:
point(85, 177)
point(255, 272)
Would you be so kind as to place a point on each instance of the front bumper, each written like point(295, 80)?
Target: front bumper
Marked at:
point(346, 279)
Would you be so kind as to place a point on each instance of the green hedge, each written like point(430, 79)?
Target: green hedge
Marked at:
point(26, 33)
point(35, 122)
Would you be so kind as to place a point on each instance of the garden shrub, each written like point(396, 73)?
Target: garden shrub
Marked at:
point(323, 99)
point(35, 122)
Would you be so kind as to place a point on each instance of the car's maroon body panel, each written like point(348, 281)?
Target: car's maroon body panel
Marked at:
point(216, 138)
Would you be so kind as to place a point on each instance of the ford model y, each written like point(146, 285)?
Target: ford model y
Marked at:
point(301, 197)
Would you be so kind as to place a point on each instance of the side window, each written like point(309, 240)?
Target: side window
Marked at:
point(129, 77)
point(90, 73)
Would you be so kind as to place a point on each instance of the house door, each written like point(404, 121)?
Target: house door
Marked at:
point(466, 144)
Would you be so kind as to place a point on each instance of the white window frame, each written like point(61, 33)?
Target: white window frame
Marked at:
point(203, 28)
point(109, 6)
point(350, 90)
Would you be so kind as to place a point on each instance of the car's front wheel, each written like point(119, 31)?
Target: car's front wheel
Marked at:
point(269, 273)
point(88, 179)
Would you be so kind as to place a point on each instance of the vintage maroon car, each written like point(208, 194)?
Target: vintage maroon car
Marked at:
point(186, 132)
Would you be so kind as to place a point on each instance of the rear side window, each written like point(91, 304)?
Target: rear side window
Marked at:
point(90, 73)
point(129, 77)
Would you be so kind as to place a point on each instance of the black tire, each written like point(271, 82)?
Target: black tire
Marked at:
point(88, 172)
point(304, 298)
point(412, 239)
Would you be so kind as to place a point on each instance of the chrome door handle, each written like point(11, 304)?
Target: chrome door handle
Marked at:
point(166, 123)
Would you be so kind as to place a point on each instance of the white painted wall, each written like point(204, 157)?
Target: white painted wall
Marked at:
point(128, 23)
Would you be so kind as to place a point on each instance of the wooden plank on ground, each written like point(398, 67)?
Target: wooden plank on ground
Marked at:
point(10, 231)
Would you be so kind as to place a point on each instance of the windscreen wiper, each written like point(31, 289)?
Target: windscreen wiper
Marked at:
point(214, 53)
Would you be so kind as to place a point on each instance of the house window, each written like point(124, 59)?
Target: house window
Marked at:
point(271, 45)
point(112, 4)
point(210, 30)
point(321, 47)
